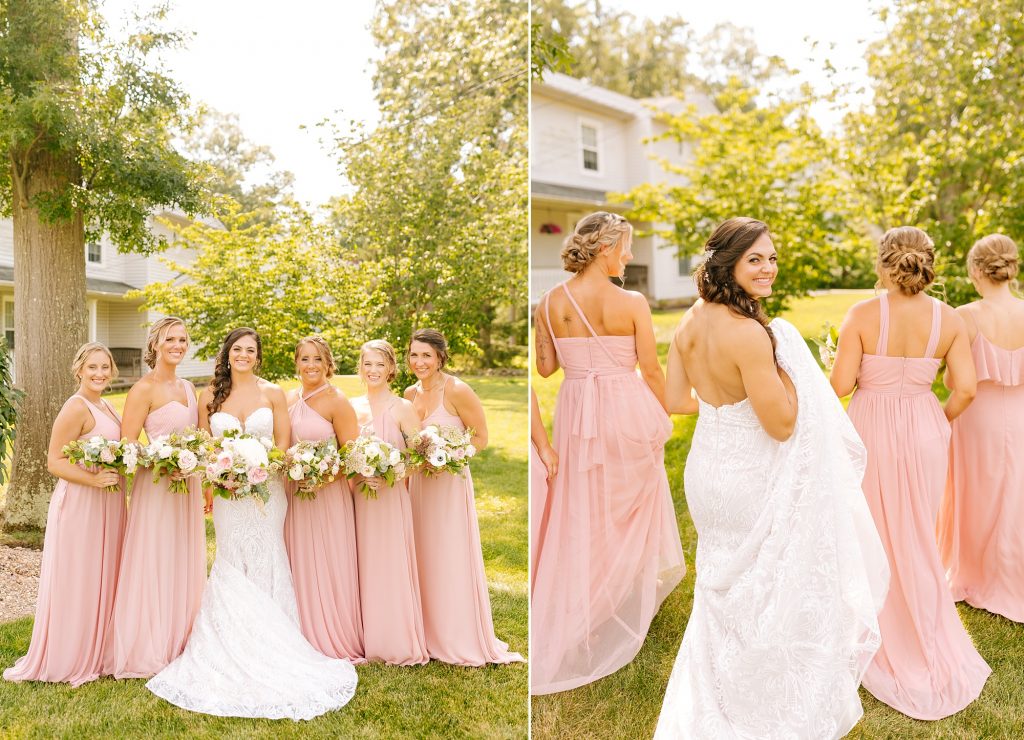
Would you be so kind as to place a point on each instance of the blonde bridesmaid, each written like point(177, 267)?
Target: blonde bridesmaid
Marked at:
point(82, 546)
point(981, 522)
point(453, 585)
point(163, 571)
point(890, 348)
point(320, 533)
point(389, 586)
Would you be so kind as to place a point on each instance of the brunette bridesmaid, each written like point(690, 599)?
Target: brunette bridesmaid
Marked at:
point(163, 571)
point(389, 586)
point(891, 347)
point(82, 546)
point(320, 533)
point(981, 522)
point(453, 584)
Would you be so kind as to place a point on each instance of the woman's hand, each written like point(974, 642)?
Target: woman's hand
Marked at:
point(207, 501)
point(375, 483)
point(550, 459)
point(106, 478)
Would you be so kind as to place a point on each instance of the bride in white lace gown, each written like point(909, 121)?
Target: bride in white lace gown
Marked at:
point(246, 656)
point(790, 570)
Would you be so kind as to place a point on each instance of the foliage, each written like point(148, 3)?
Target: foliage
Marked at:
point(10, 397)
point(548, 51)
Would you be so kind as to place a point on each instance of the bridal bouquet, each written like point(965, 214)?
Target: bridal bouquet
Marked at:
point(312, 465)
point(239, 465)
point(441, 449)
point(178, 452)
point(370, 457)
point(827, 345)
point(122, 456)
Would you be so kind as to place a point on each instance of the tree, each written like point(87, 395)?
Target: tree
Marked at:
point(86, 132)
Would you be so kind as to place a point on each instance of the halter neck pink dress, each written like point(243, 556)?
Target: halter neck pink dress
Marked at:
point(320, 535)
point(927, 666)
point(608, 550)
point(981, 522)
point(163, 570)
point(453, 585)
point(389, 586)
point(78, 577)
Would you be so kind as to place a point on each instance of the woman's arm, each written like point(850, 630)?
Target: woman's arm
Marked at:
point(343, 417)
point(204, 415)
point(282, 424)
point(961, 376)
point(679, 397)
point(136, 409)
point(972, 331)
point(849, 352)
point(647, 349)
point(539, 436)
point(70, 424)
point(544, 345)
point(768, 387)
point(471, 411)
point(407, 418)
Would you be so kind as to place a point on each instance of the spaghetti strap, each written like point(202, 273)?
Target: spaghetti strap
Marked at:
point(883, 325)
point(936, 330)
point(551, 331)
point(586, 323)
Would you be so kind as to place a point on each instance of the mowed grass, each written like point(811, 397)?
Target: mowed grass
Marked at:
point(435, 700)
point(626, 704)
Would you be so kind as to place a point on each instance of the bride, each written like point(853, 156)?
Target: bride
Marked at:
point(790, 572)
point(246, 656)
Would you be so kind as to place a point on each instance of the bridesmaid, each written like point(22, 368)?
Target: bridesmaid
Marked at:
point(543, 467)
point(389, 586)
point(981, 522)
point(82, 547)
point(163, 571)
point(608, 549)
point(453, 585)
point(891, 347)
point(320, 533)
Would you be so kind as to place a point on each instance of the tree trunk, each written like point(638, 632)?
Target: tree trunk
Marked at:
point(50, 326)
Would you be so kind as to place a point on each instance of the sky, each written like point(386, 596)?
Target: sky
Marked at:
point(278, 65)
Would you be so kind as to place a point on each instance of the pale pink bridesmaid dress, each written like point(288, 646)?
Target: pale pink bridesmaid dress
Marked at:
point(320, 536)
point(453, 585)
point(78, 577)
point(927, 666)
point(163, 570)
point(981, 522)
point(538, 503)
point(389, 586)
point(608, 550)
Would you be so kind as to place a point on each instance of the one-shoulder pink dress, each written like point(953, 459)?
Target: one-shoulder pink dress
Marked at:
point(78, 576)
point(927, 666)
point(608, 550)
point(981, 522)
point(389, 584)
point(163, 570)
point(320, 535)
point(453, 585)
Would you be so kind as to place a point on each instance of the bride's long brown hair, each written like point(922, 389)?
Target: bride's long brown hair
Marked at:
point(221, 383)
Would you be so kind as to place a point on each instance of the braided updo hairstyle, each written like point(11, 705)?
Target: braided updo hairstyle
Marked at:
point(995, 257)
point(593, 234)
point(907, 256)
point(221, 383)
point(715, 276)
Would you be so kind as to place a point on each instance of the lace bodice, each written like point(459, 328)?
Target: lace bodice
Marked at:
point(260, 422)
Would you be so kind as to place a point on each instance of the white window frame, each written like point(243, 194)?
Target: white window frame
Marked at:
point(598, 149)
point(102, 251)
point(8, 301)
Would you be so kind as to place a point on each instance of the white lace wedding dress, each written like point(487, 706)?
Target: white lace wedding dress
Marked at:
point(790, 571)
point(246, 656)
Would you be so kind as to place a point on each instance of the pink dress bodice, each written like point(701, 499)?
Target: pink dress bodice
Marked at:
point(173, 416)
point(903, 376)
point(307, 424)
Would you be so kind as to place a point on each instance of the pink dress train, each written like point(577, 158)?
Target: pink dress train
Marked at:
point(163, 571)
point(389, 586)
point(608, 551)
point(927, 666)
point(320, 536)
point(981, 522)
point(77, 580)
point(538, 503)
point(453, 585)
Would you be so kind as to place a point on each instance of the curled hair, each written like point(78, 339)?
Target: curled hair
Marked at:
point(907, 257)
point(82, 356)
point(715, 276)
point(593, 233)
point(157, 332)
point(435, 339)
point(322, 348)
point(384, 347)
point(995, 257)
point(221, 383)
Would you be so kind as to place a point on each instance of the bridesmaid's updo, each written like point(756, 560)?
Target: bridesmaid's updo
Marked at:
point(82, 356)
point(322, 348)
point(715, 276)
point(390, 356)
point(157, 332)
point(221, 383)
point(436, 340)
point(995, 257)
point(595, 233)
point(906, 255)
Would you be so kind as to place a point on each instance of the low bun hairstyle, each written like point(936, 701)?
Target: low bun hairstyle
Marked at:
point(715, 276)
point(221, 383)
point(995, 257)
point(437, 342)
point(906, 255)
point(593, 234)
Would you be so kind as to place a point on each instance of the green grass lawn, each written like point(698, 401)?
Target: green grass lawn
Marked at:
point(435, 700)
point(626, 704)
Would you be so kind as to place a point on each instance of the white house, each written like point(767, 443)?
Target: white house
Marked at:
point(587, 142)
point(116, 321)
